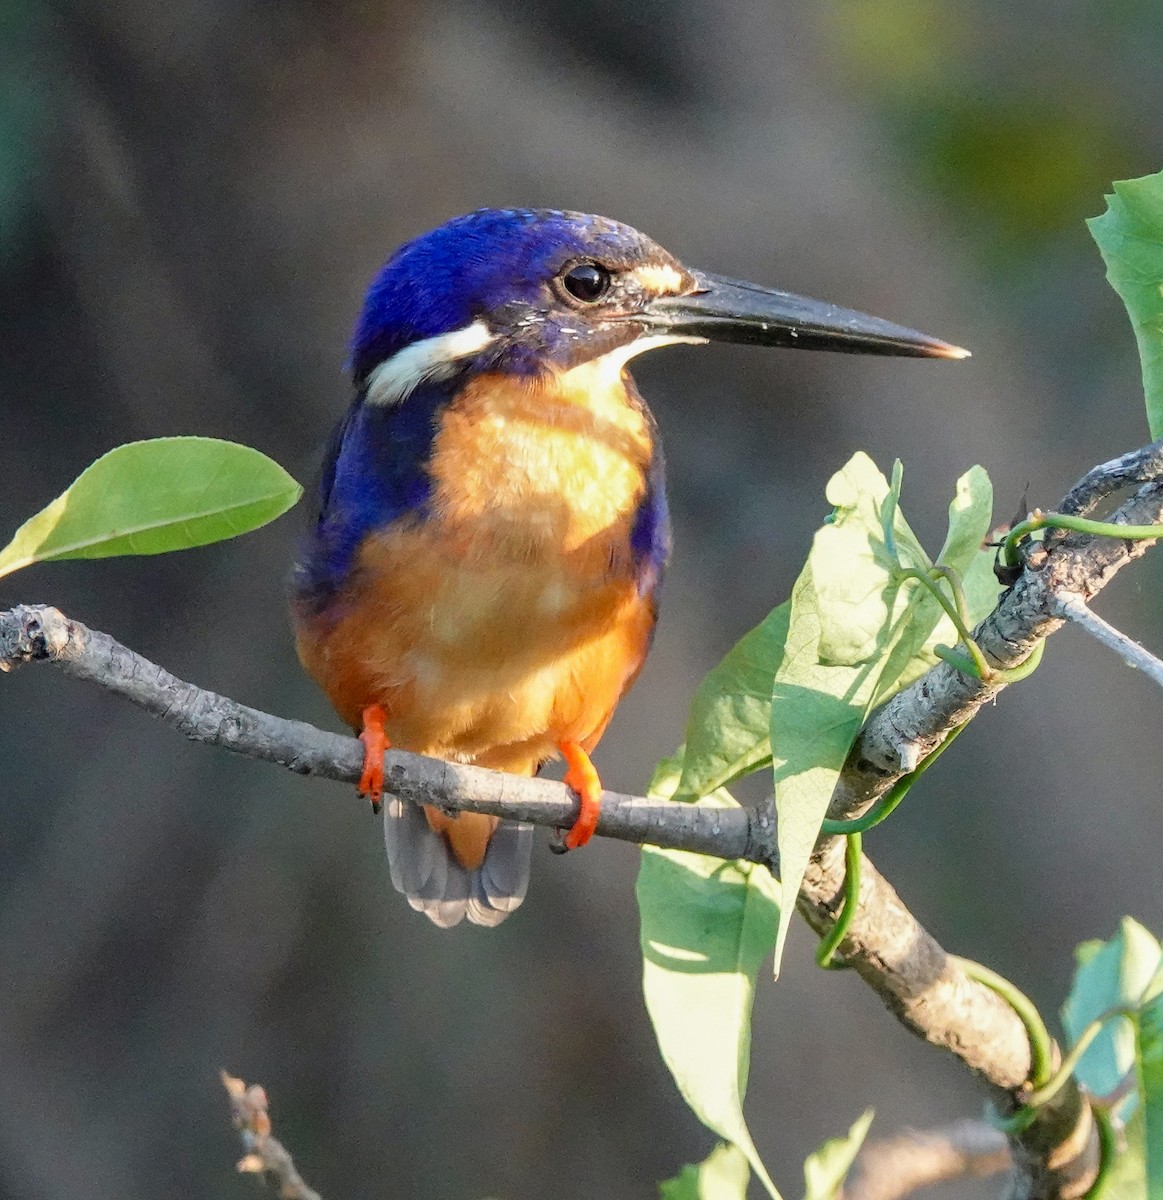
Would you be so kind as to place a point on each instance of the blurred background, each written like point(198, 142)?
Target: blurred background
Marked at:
point(193, 196)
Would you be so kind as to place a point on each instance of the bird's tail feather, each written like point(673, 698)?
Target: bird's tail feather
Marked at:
point(422, 866)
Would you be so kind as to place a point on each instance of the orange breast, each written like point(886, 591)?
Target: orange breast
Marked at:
point(508, 619)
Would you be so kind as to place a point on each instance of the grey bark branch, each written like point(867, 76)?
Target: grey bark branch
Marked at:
point(895, 1167)
point(1144, 465)
point(1056, 1156)
point(37, 633)
point(264, 1153)
point(1074, 608)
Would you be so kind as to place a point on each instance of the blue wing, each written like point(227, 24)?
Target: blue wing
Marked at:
point(375, 472)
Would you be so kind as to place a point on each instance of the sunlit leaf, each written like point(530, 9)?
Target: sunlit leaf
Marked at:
point(970, 521)
point(1130, 236)
point(722, 1175)
point(729, 730)
point(707, 926)
point(1110, 975)
point(1126, 1177)
point(826, 1169)
point(970, 513)
point(851, 614)
point(154, 496)
point(1154, 988)
point(982, 591)
point(890, 507)
point(1150, 1064)
point(926, 625)
point(854, 568)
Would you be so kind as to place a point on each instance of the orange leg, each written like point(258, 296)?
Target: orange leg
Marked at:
point(375, 742)
point(584, 780)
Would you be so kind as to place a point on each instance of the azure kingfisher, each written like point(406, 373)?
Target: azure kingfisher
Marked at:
point(481, 581)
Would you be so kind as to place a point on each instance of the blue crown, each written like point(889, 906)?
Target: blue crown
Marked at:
point(476, 265)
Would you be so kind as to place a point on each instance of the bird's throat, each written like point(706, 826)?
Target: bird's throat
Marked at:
point(547, 466)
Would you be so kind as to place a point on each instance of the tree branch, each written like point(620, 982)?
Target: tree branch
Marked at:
point(1144, 465)
point(1138, 657)
point(1056, 1156)
point(893, 1168)
point(37, 633)
point(265, 1154)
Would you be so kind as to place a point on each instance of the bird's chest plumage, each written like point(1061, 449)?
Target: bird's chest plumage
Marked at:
point(510, 610)
point(526, 474)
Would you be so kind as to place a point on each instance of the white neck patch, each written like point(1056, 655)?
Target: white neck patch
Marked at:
point(434, 358)
point(608, 367)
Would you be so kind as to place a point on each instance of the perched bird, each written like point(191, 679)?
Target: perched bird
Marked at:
point(481, 582)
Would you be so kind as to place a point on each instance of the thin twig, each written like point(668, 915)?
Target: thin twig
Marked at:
point(1130, 651)
point(265, 1154)
point(894, 1167)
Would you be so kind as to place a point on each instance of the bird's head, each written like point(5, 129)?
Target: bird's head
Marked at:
point(535, 291)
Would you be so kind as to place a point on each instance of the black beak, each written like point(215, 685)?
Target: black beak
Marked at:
point(725, 310)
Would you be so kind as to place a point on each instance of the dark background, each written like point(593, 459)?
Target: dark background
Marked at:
point(192, 198)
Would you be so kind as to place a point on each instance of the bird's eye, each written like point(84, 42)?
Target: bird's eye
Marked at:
point(587, 282)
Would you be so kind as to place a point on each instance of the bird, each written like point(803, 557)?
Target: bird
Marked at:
point(481, 578)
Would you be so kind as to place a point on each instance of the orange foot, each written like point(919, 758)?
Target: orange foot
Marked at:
point(375, 742)
point(584, 780)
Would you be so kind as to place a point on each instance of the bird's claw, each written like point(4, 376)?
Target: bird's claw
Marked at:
point(375, 744)
point(583, 779)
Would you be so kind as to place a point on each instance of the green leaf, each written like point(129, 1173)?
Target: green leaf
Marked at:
point(982, 589)
point(1150, 1055)
point(1154, 988)
point(150, 497)
point(1126, 1176)
point(854, 566)
point(826, 1169)
point(970, 519)
point(970, 513)
point(722, 1175)
point(728, 734)
point(926, 625)
point(855, 630)
point(1130, 236)
point(1109, 975)
point(891, 506)
point(857, 621)
point(706, 928)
